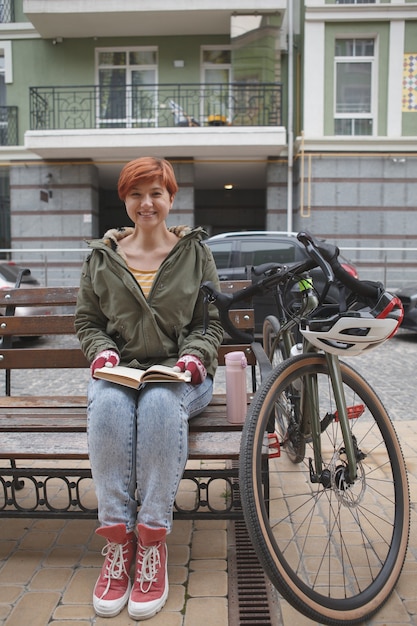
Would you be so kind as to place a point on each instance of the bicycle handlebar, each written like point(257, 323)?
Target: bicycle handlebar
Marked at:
point(320, 254)
point(329, 253)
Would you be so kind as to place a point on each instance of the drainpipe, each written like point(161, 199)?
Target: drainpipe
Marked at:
point(290, 134)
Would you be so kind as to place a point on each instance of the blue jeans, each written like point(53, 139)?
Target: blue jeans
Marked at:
point(138, 448)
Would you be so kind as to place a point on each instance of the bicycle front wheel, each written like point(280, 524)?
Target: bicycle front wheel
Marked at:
point(334, 550)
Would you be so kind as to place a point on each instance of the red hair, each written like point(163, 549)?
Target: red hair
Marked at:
point(146, 169)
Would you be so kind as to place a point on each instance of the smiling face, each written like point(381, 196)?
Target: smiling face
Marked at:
point(148, 203)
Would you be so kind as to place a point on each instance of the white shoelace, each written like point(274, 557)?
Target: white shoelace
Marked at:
point(150, 562)
point(116, 566)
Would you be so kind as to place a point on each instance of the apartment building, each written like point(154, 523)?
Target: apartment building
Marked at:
point(279, 115)
point(356, 163)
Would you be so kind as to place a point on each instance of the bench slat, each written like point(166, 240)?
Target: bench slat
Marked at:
point(37, 325)
point(55, 419)
point(18, 402)
point(38, 358)
point(73, 445)
point(39, 296)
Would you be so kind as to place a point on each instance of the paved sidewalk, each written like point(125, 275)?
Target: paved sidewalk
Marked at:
point(48, 568)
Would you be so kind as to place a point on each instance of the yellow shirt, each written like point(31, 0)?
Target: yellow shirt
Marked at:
point(144, 278)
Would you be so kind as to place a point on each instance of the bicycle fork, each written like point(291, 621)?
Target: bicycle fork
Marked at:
point(311, 405)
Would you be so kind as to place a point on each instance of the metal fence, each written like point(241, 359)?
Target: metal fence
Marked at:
point(6, 11)
point(395, 267)
point(152, 106)
point(8, 126)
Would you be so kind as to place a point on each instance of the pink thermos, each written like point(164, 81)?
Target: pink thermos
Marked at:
point(236, 394)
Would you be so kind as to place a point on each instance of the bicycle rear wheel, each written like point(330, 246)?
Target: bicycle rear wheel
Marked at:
point(334, 551)
point(273, 347)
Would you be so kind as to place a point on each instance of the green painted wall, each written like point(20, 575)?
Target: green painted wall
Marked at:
point(19, 16)
point(355, 30)
point(38, 63)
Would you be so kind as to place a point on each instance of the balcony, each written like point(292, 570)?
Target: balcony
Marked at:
point(112, 18)
point(155, 106)
point(8, 126)
point(187, 119)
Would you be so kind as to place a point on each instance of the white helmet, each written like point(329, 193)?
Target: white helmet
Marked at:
point(354, 331)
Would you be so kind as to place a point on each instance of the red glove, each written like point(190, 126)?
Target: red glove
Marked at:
point(106, 358)
point(193, 365)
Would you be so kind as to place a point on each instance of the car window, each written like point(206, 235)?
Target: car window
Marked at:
point(258, 252)
point(8, 272)
point(222, 252)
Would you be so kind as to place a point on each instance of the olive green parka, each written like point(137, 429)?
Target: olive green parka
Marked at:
point(112, 312)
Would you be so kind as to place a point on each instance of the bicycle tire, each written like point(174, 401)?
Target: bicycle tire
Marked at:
point(287, 425)
point(335, 552)
point(274, 350)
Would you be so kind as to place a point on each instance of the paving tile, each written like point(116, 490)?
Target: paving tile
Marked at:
point(176, 598)
point(181, 532)
point(29, 609)
point(80, 587)
point(51, 578)
point(209, 544)
point(10, 593)
point(71, 612)
point(20, 567)
point(63, 555)
point(207, 583)
point(178, 554)
point(4, 612)
point(37, 540)
point(177, 574)
point(208, 564)
point(207, 611)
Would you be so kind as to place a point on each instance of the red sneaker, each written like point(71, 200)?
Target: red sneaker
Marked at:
point(150, 588)
point(112, 588)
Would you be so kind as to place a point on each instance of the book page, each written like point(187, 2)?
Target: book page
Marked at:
point(132, 377)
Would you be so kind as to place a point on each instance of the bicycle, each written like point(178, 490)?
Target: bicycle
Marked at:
point(322, 477)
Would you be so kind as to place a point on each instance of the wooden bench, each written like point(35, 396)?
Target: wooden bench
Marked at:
point(44, 469)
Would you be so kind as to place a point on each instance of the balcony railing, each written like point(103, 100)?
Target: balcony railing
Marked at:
point(152, 106)
point(8, 126)
point(6, 11)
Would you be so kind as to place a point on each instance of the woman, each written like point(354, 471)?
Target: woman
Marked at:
point(139, 304)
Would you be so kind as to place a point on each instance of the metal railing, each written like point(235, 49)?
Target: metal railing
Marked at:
point(395, 267)
point(152, 106)
point(6, 11)
point(8, 126)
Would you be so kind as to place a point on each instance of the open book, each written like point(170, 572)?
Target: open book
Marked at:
point(132, 377)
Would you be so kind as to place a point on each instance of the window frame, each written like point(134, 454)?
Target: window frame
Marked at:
point(353, 117)
point(220, 109)
point(130, 120)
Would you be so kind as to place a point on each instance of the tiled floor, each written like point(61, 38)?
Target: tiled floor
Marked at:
point(48, 570)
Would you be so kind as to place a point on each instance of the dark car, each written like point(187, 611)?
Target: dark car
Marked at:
point(12, 275)
point(408, 297)
point(235, 252)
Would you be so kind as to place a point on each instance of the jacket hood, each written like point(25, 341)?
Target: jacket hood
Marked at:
point(114, 235)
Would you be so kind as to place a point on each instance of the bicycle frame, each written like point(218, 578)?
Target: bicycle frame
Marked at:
point(311, 425)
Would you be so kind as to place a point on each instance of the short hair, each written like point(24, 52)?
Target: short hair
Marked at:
point(146, 169)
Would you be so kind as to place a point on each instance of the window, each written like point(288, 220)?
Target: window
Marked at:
point(222, 253)
point(127, 79)
point(258, 252)
point(216, 76)
point(354, 72)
